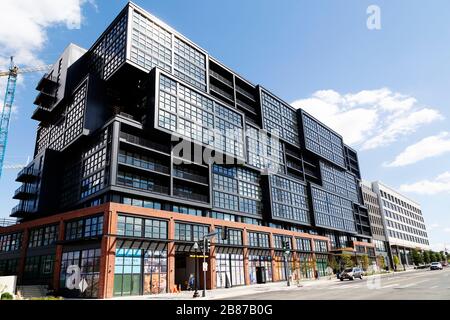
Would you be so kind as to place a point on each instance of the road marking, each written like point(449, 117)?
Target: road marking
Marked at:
point(434, 287)
point(413, 284)
point(389, 286)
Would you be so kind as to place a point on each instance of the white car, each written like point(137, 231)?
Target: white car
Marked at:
point(436, 266)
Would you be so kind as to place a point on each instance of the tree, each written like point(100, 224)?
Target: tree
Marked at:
point(442, 255)
point(396, 261)
point(365, 262)
point(426, 257)
point(417, 257)
point(381, 262)
point(432, 256)
point(346, 260)
point(333, 264)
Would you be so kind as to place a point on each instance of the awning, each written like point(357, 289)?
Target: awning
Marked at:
point(259, 252)
point(144, 244)
point(229, 250)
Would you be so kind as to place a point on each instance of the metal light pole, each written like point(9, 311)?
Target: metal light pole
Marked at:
point(196, 295)
point(203, 267)
point(208, 236)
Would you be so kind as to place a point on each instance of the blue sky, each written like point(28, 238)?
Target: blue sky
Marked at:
point(318, 55)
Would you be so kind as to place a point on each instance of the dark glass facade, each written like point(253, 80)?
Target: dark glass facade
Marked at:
point(115, 138)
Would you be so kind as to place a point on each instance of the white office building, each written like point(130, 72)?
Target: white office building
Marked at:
point(403, 221)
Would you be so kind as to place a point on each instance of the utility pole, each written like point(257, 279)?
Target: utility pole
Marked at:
point(286, 248)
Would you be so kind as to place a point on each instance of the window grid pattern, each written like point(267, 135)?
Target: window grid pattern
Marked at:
point(237, 189)
point(44, 236)
point(280, 119)
point(89, 263)
point(339, 181)
point(263, 151)
point(151, 45)
point(190, 64)
point(142, 228)
point(190, 232)
point(303, 244)
point(289, 200)
point(199, 118)
point(332, 211)
point(11, 242)
point(234, 237)
point(84, 228)
point(322, 141)
point(256, 239)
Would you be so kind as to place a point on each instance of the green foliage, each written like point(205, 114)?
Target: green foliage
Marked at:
point(381, 262)
point(47, 298)
point(396, 260)
point(433, 257)
point(417, 257)
point(365, 262)
point(6, 296)
point(426, 257)
point(346, 260)
point(333, 264)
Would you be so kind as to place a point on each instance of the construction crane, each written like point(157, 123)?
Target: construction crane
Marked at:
point(12, 74)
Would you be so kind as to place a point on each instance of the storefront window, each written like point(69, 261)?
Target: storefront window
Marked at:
point(257, 261)
point(140, 272)
point(229, 270)
point(322, 264)
point(89, 263)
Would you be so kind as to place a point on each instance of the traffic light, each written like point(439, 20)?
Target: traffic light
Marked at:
point(286, 245)
point(208, 245)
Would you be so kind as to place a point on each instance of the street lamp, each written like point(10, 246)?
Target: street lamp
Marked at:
point(196, 294)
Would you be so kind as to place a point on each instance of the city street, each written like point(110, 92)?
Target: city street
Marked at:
point(419, 285)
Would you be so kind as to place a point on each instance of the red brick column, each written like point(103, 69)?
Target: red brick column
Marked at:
point(295, 261)
point(171, 256)
point(23, 254)
point(108, 254)
point(245, 253)
point(58, 255)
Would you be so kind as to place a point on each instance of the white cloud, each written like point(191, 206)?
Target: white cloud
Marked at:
point(440, 184)
point(446, 229)
point(24, 25)
point(369, 119)
point(428, 147)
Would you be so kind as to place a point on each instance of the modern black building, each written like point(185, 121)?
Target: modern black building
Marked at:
point(111, 120)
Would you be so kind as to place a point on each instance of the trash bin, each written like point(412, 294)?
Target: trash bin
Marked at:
point(261, 275)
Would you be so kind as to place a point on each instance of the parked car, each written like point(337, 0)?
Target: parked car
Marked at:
point(436, 266)
point(351, 274)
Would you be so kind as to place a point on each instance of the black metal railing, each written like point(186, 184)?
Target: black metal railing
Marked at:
point(222, 92)
point(6, 222)
point(189, 176)
point(144, 142)
point(190, 195)
point(221, 78)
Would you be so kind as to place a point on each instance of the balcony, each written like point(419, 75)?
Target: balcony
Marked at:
point(222, 93)
point(27, 175)
point(190, 195)
point(22, 210)
point(47, 83)
point(221, 78)
point(245, 93)
point(190, 176)
point(5, 222)
point(138, 141)
point(45, 100)
point(25, 192)
point(41, 114)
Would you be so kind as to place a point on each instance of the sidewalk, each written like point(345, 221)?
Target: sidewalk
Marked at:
point(248, 290)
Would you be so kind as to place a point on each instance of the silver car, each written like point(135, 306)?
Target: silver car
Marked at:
point(351, 274)
point(436, 266)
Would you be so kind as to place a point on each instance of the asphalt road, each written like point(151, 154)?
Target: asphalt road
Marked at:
point(420, 285)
